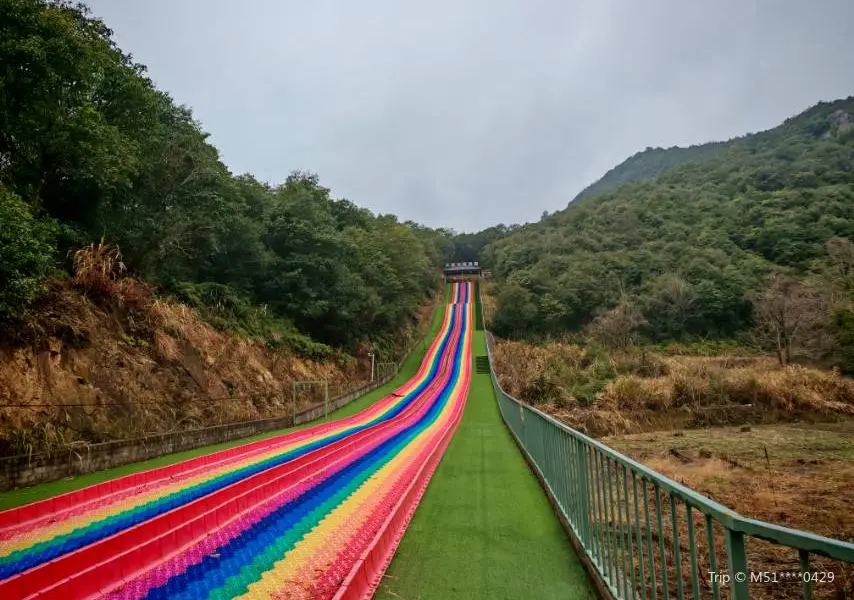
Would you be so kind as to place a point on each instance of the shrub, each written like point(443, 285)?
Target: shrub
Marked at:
point(301, 345)
point(632, 393)
point(97, 267)
point(714, 347)
point(618, 326)
point(641, 363)
point(27, 254)
point(692, 390)
point(586, 393)
point(227, 310)
point(843, 325)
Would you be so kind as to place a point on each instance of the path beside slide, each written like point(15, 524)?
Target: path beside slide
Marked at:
point(484, 529)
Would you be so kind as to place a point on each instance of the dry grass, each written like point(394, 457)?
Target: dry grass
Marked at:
point(539, 374)
point(488, 301)
point(97, 266)
point(100, 274)
point(659, 409)
point(803, 482)
point(804, 464)
point(697, 382)
point(632, 391)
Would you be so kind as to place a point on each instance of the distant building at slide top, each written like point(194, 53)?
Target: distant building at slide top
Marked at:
point(462, 270)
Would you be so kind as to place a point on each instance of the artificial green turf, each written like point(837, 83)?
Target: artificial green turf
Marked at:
point(18, 497)
point(484, 528)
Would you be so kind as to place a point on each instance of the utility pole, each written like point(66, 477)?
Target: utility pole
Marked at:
point(371, 354)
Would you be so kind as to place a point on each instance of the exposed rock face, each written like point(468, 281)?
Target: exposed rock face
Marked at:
point(842, 120)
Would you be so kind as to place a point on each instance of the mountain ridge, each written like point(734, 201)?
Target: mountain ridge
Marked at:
point(644, 165)
point(704, 232)
point(648, 164)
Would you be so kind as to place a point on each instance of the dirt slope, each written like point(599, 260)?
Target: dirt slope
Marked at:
point(90, 368)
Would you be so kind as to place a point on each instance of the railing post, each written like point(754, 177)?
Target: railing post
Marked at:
point(737, 563)
point(583, 493)
point(805, 568)
point(713, 559)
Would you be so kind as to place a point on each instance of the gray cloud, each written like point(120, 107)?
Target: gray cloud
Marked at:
point(466, 114)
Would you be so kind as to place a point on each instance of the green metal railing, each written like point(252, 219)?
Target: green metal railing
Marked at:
point(648, 537)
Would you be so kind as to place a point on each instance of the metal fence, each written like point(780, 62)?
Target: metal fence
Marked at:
point(647, 536)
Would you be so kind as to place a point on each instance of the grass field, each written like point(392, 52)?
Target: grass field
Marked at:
point(13, 498)
point(484, 528)
point(795, 475)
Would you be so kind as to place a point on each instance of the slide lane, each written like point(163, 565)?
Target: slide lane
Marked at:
point(20, 519)
point(95, 519)
point(292, 516)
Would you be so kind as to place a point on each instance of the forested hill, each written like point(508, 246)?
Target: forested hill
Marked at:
point(90, 149)
point(643, 166)
point(688, 249)
point(647, 165)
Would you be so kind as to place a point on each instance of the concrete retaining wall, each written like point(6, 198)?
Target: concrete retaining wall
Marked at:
point(24, 470)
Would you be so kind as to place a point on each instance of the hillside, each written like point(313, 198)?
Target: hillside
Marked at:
point(90, 149)
point(136, 268)
point(643, 166)
point(684, 254)
point(103, 358)
point(647, 165)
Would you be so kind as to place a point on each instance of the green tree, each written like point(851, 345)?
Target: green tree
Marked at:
point(27, 254)
point(87, 141)
point(689, 234)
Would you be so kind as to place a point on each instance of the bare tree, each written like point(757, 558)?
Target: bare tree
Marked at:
point(618, 326)
point(790, 317)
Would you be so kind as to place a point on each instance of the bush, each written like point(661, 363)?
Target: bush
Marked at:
point(692, 390)
point(586, 393)
point(631, 393)
point(301, 345)
point(27, 254)
point(227, 310)
point(843, 325)
point(713, 347)
point(641, 363)
point(542, 388)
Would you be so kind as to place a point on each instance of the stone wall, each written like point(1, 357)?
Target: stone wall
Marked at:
point(24, 470)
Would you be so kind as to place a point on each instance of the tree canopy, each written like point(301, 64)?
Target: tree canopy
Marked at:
point(90, 149)
point(690, 245)
point(680, 239)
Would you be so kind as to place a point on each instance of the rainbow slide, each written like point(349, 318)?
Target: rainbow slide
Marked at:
point(316, 513)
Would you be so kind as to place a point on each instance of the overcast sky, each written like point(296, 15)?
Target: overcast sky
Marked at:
point(466, 113)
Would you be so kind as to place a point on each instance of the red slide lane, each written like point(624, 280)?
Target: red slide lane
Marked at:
point(135, 560)
point(131, 485)
point(155, 540)
point(55, 507)
point(365, 577)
